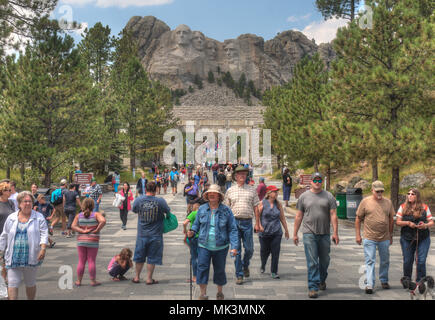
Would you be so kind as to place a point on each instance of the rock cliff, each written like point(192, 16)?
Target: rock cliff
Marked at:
point(175, 57)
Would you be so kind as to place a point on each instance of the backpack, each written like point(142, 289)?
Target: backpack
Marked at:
point(56, 197)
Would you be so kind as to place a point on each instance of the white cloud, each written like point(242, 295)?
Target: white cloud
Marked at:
point(324, 31)
point(118, 3)
point(298, 18)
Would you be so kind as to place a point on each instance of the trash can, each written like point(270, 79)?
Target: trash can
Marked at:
point(341, 205)
point(353, 199)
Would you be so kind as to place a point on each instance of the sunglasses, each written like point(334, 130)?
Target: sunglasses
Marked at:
point(411, 194)
point(381, 191)
point(318, 181)
point(9, 190)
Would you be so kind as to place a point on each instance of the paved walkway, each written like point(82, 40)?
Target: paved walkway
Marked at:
point(343, 280)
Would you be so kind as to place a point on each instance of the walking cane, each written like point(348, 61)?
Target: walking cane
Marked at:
point(190, 269)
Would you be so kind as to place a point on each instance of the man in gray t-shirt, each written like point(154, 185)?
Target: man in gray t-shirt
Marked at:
point(317, 209)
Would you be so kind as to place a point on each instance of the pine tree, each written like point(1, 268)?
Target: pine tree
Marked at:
point(145, 106)
point(210, 77)
point(19, 17)
point(48, 104)
point(300, 115)
point(382, 84)
point(345, 9)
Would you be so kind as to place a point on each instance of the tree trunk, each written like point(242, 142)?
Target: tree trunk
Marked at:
point(395, 177)
point(132, 157)
point(47, 179)
point(8, 173)
point(328, 180)
point(22, 172)
point(316, 166)
point(352, 9)
point(374, 169)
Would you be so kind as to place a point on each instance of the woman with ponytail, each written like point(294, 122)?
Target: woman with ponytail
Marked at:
point(88, 225)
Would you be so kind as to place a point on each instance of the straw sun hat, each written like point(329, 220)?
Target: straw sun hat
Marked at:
point(214, 188)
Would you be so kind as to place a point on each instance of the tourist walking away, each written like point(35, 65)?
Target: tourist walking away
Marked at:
point(117, 181)
point(286, 186)
point(216, 227)
point(95, 193)
point(189, 171)
point(23, 241)
point(415, 220)
point(229, 175)
point(182, 174)
point(14, 194)
point(120, 264)
point(193, 241)
point(191, 193)
point(271, 218)
point(243, 201)
point(221, 180)
point(165, 180)
point(261, 189)
point(58, 212)
point(158, 178)
point(6, 206)
point(126, 204)
point(215, 170)
point(377, 213)
point(34, 190)
point(316, 211)
point(46, 209)
point(71, 200)
point(173, 177)
point(151, 211)
point(141, 185)
point(88, 225)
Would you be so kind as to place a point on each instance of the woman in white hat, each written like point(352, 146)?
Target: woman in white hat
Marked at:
point(216, 227)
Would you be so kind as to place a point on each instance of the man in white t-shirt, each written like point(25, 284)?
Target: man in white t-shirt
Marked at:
point(14, 194)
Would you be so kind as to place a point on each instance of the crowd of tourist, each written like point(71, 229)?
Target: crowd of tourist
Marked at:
point(223, 214)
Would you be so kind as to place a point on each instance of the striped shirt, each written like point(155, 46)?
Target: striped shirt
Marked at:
point(425, 208)
point(242, 201)
point(89, 240)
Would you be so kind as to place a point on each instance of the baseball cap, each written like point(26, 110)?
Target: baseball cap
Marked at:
point(261, 179)
point(378, 186)
point(63, 182)
point(316, 175)
point(271, 189)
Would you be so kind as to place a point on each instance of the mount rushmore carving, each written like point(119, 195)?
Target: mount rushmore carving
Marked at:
point(175, 56)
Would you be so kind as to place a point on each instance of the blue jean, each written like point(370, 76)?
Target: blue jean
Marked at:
point(408, 252)
point(193, 246)
point(370, 260)
point(246, 236)
point(96, 206)
point(215, 174)
point(317, 249)
point(218, 258)
point(227, 185)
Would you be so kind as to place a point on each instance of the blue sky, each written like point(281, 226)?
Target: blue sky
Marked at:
point(217, 19)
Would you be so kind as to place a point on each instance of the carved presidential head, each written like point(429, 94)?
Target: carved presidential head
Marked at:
point(183, 35)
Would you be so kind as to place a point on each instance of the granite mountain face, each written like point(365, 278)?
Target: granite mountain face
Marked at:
point(175, 57)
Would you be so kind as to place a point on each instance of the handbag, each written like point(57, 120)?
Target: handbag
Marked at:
point(118, 200)
point(170, 223)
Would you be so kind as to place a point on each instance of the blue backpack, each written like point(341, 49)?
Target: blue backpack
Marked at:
point(56, 197)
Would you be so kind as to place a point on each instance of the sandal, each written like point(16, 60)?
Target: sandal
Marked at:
point(95, 284)
point(153, 282)
point(115, 279)
point(135, 281)
point(77, 284)
point(122, 278)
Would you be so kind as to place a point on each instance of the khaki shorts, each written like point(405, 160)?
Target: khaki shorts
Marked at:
point(59, 211)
